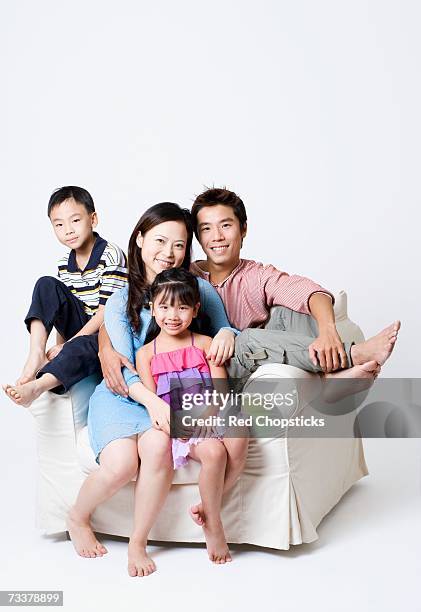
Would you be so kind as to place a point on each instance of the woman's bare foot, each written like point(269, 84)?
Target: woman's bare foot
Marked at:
point(377, 348)
point(197, 514)
point(350, 381)
point(23, 395)
point(83, 538)
point(140, 564)
point(35, 361)
point(216, 543)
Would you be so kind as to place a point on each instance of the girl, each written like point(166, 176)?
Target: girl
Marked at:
point(125, 430)
point(175, 362)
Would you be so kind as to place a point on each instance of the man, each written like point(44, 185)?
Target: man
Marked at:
point(302, 332)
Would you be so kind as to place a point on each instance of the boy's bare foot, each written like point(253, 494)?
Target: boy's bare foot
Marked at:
point(197, 514)
point(23, 395)
point(83, 538)
point(140, 564)
point(377, 348)
point(216, 543)
point(34, 362)
point(359, 378)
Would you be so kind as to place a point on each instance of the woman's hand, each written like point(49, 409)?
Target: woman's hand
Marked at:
point(159, 411)
point(222, 347)
point(111, 364)
point(328, 350)
point(54, 351)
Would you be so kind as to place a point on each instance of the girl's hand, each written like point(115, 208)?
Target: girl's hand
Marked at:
point(159, 411)
point(222, 347)
point(54, 351)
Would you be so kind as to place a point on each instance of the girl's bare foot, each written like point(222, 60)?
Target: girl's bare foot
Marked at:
point(216, 543)
point(377, 348)
point(353, 380)
point(23, 395)
point(83, 538)
point(34, 362)
point(140, 564)
point(197, 514)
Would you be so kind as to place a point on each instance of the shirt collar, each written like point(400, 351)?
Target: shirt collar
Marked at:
point(232, 273)
point(94, 259)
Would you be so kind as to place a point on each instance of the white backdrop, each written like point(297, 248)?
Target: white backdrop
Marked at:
point(311, 112)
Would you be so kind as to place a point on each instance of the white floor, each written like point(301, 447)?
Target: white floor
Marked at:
point(367, 557)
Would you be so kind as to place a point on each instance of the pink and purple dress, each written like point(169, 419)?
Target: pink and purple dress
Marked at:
point(184, 370)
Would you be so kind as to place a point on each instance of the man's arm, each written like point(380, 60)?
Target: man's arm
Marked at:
point(327, 348)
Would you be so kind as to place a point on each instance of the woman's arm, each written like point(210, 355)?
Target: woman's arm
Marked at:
point(116, 345)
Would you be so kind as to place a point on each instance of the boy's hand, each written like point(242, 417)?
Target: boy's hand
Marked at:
point(53, 351)
point(111, 364)
point(328, 350)
point(222, 347)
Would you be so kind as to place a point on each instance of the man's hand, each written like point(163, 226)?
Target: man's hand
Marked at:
point(222, 347)
point(111, 364)
point(54, 351)
point(328, 350)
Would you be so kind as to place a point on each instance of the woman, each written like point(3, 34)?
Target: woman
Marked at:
point(124, 430)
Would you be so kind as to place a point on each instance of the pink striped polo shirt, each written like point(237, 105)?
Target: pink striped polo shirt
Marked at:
point(253, 288)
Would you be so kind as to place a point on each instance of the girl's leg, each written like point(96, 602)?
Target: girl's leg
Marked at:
point(213, 457)
point(36, 358)
point(118, 465)
point(152, 487)
point(236, 458)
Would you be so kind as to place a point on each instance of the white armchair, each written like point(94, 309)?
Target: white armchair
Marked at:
point(289, 484)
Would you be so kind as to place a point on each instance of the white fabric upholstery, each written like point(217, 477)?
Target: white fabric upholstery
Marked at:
point(289, 484)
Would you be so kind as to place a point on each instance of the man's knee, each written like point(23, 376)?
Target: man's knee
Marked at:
point(46, 284)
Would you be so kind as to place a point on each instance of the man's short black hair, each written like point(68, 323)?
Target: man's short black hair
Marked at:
point(79, 194)
point(214, 197)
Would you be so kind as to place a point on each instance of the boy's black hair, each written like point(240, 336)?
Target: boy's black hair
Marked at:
point(79, 194)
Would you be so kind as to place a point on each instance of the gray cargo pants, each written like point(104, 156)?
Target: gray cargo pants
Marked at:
point(285, 339)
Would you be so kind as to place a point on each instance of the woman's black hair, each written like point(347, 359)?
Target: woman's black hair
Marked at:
point(174, 286)
point(138, 286)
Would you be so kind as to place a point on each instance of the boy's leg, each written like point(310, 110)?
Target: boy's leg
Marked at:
point(77, 359)
point(53, 304)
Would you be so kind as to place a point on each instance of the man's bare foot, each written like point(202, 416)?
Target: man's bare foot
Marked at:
point(216, 543)
point(35, 361)
point(23, 395)
point(350, 381)
point(377, 348)
point(197, 514)
point(140, 564)
point(83, 538)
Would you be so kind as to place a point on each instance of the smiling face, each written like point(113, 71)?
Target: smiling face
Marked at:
point(220, 235)
point(72, 224)
point(163, 247)
point(171, 315)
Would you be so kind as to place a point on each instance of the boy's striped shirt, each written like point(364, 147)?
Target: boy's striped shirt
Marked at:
point(105, 272)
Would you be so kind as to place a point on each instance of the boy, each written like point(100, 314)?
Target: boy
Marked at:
point(73, 304)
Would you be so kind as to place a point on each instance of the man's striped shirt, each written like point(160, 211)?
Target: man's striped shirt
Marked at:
point(252, 288)
point(105, 272)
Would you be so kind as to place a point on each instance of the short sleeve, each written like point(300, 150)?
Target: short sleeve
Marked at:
point(114, 274)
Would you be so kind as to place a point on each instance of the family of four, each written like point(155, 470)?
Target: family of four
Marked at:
point(157, 318)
